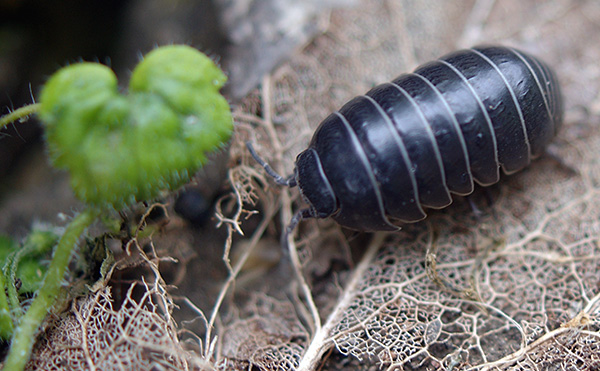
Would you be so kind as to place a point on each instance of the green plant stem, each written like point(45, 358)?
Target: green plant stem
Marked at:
point(19, 114)
point(6, 323)
point(25, 334)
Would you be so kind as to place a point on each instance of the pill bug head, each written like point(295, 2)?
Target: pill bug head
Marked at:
point(314, 186)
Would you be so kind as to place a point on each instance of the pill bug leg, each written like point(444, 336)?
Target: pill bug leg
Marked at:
point(474, 208)
point(299, 216)
point(569, 170)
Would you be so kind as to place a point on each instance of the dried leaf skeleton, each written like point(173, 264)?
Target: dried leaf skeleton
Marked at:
point(407, 145)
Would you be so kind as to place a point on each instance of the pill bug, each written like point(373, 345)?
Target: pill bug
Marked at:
point(409, 144)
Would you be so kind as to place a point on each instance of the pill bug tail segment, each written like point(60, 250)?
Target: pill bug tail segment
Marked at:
point(289, 181)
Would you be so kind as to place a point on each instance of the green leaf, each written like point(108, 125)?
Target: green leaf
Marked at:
point(120, 149)
point(27, 262)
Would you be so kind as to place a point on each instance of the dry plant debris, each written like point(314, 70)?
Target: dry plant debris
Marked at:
point(139, 334)
point(96, 336)
point(515, 288)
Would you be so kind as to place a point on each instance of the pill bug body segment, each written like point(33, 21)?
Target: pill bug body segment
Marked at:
point(409, 144)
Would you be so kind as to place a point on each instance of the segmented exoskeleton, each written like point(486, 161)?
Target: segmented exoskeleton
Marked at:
point(409, 144)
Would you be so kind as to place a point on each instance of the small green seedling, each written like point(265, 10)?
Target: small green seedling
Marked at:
point(119, 149)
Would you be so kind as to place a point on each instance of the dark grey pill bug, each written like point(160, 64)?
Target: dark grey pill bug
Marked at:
point(408, 145)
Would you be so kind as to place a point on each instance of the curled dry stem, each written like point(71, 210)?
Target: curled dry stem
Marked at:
point(243, 194)
point(159, 285)
point(233, 273)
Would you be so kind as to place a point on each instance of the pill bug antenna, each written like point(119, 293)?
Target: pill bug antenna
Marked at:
point(289, 181)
